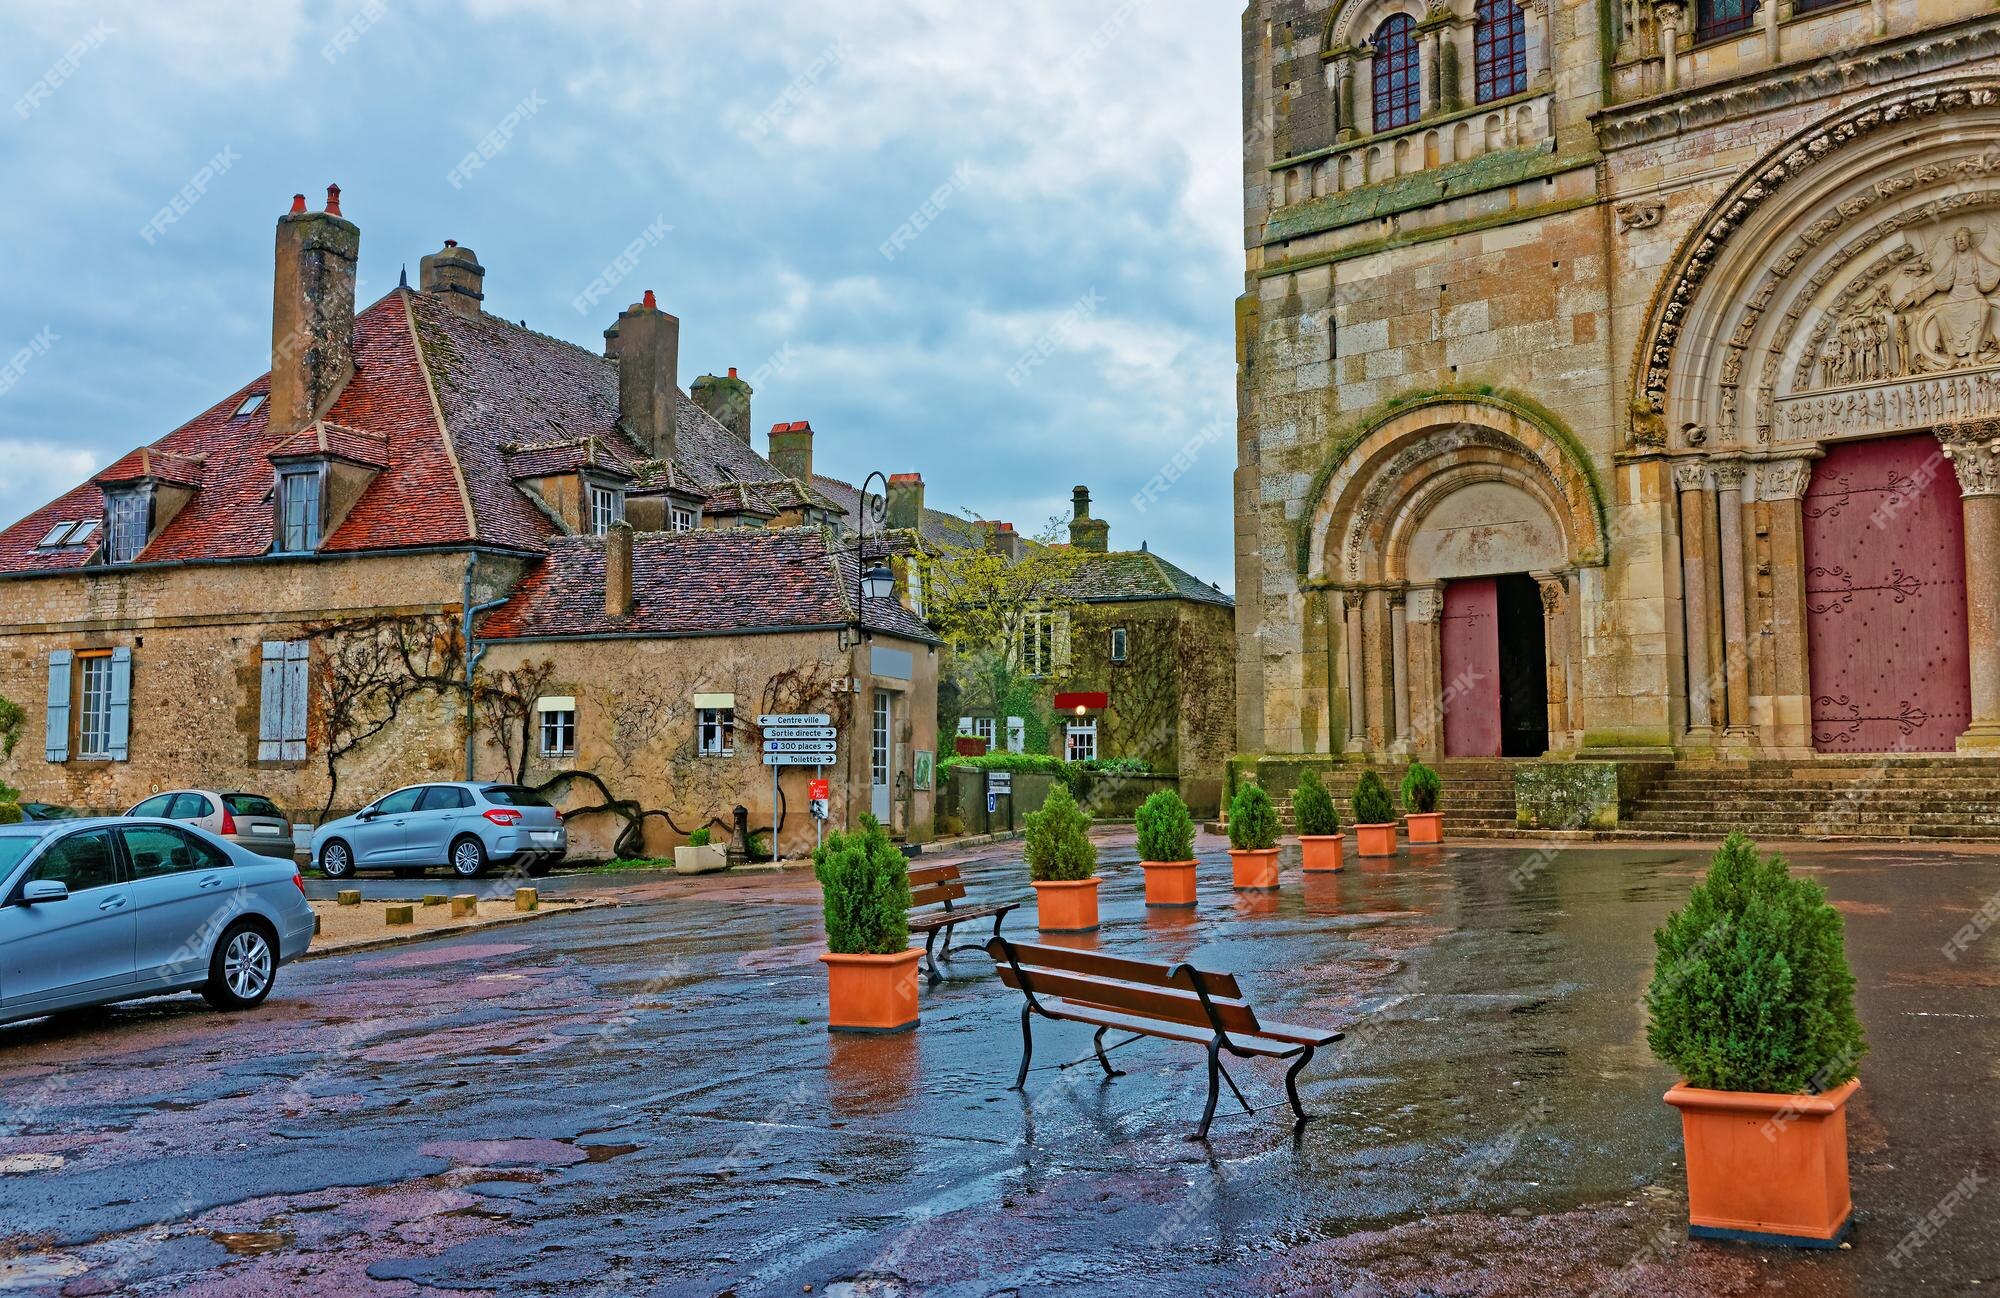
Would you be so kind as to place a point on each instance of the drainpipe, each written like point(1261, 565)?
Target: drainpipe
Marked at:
point(473, 653)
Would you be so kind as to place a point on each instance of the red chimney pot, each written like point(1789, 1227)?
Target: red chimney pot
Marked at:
point(451, 243)
point(732, 371)
point(651, 303)
point(298, 204)
point(333, 200)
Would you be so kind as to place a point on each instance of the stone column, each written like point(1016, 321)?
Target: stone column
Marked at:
point(1426, 607)
point(1556, 638)
point(1343, 97)
point(1695, 484)
point(1668, 18)
point(1733, 558)
point(1973, 447)
point(1781, 489)
point(1357, 692)
point(1535, 14)
point(1399, 661)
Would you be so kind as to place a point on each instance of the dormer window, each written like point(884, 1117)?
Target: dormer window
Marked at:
point(607, 509)
point(131, 516)
point(682, 518)
point(299, 498)
point(251, 405)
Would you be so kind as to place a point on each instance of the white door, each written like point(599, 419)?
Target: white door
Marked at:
point(880, 754)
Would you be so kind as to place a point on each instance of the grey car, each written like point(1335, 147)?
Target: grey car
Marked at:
point(111, 908)
point(467, 827)
point(249, 820)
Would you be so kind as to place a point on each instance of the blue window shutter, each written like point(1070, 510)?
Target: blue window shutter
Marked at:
point(121, 702)
point(271, 704)
point(295, 700)
point(56, 747)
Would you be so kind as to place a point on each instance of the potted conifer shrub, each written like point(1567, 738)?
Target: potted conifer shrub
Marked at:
point(1319, 824)
point(871, 968)
point(702, 855)
point(1421, 818)
point(1062, 862)
point(1253, 839)
point(1374, 816)
point(1752, 999)
point(1166, 850)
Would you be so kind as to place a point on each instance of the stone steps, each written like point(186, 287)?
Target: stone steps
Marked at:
point(1942, 797)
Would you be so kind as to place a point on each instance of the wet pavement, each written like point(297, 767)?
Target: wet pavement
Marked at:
point(643, 1100)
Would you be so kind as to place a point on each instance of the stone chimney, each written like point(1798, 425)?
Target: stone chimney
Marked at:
point(618, 570)
point(648, 348)
point(726, 400)
point(1003, 540)
point(455, 275)
point(792, 450)
point(312, 311)
point(1085, 532)
point(906, 501)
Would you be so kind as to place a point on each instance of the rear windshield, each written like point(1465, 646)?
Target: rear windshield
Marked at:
point(514, 795)
point(252, 804)
point(13, 847)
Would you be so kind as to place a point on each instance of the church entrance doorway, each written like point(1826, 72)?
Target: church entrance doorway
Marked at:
point(1494, 668)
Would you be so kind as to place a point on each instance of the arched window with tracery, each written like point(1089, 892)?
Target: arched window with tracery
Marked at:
point(1397, 102)
point(1499, 50)
point(1723, 17)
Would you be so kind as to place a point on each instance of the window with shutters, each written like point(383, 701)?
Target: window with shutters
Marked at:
point(93, 708)
point(281, 729)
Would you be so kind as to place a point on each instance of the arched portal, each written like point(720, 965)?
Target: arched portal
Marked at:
point(1452, 533)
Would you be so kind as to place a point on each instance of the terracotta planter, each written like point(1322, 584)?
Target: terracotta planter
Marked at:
point(1169, 883)
point(1255, 870)
point(1376, 840)
point(1766, 1168)
point(1066, 906)
point(1320, 852)
point(872, 993)
point(1424, 826)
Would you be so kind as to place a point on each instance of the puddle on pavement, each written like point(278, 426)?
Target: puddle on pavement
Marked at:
point(31, 1272)
point(605, 1153)
point(252, 1243)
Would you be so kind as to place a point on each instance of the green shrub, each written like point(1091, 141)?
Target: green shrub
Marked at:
point(1312, 807)
point(1030, 763)
point(865, 890)
point(1166, 831)
point(1253, 821)
point(1117, 765)
point(757, 847)
point(1751, 989)
point(10, 813)
point(701, 837)
point(1059, 847)
point(1421, 787)
point(1371, 801)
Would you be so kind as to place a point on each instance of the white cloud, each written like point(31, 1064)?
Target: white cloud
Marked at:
point(36, 472)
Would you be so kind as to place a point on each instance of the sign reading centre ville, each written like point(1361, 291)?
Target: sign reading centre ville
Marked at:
point(794, 719)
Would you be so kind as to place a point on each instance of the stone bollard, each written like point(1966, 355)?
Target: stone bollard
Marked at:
point(348, 896)
point(435, 899)
point(396, 915)
point(527, 899)
point(464, 904)
point(315, 924)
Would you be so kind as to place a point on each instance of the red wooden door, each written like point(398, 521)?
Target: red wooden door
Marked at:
point(1885, 599)
point(1469, 636)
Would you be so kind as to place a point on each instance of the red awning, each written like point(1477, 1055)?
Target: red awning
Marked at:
point(1088, 702)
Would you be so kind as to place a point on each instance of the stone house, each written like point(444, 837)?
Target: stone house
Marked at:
point(280, 594)
point(1619, 380)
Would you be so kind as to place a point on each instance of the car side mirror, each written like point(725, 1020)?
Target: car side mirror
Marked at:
point(366, 813)
point(41, 890)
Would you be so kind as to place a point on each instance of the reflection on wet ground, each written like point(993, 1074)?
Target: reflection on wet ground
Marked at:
point(644, 1100)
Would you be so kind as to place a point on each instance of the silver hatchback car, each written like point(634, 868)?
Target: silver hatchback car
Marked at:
point(249, 820)
point(109, 909)
point(466, 826)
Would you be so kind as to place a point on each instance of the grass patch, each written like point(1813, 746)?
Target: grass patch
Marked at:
point(629, 863)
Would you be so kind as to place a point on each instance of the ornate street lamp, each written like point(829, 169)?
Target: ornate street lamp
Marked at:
point(871, 581)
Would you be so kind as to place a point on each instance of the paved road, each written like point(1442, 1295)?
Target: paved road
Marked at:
point(643, 1101)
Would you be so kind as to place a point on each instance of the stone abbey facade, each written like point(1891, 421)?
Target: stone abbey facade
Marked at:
point(1619, 378)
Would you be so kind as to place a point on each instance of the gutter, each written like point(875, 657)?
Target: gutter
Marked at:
point(172, 565)
point(583, 636)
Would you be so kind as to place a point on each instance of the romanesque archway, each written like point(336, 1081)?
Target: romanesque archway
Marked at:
point(1830, 332)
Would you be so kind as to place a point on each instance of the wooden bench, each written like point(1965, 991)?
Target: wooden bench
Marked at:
point(933, 884)
point(1177, 1002)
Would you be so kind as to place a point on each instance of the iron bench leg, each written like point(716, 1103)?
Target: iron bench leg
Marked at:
point(1214, 1090)
point(930, 958)
point(1027, 1046)
point(1291, 1086)
point(1098, 1041)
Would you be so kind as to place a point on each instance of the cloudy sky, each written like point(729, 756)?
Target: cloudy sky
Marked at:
point(1062, 314)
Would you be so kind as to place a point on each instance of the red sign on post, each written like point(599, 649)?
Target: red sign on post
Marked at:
point(819, 790)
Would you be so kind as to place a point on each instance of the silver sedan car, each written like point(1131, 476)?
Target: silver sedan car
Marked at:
point(249, 820)
point(110, 909)
point(465, 826)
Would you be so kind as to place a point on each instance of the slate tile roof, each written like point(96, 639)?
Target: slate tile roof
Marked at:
point(711, 581)
point(938, 527)
point(1122, 575)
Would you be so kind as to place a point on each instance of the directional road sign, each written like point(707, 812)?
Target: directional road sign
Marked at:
point(798, 759)
point(825, 746)
point(795, 719)
point(800, 732)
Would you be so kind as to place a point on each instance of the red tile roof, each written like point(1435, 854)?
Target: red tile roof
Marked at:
point(709, 581)
point(323, 438)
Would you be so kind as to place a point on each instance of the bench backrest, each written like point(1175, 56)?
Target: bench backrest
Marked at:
point(935, 883)
point(1168, 992)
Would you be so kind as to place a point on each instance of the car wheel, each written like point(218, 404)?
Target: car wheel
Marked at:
point(243, 968)
point(336, 861)
point(468, 858)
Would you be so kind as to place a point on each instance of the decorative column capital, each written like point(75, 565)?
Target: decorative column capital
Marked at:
point(1729, 474)
point(1426, 605)
point(1555, 592)
point(1351, 601)
point(1693, 475)
point(1786, 479)
point(1973, 447)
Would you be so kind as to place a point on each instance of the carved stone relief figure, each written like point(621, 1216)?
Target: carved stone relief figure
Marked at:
point(1957, 332)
